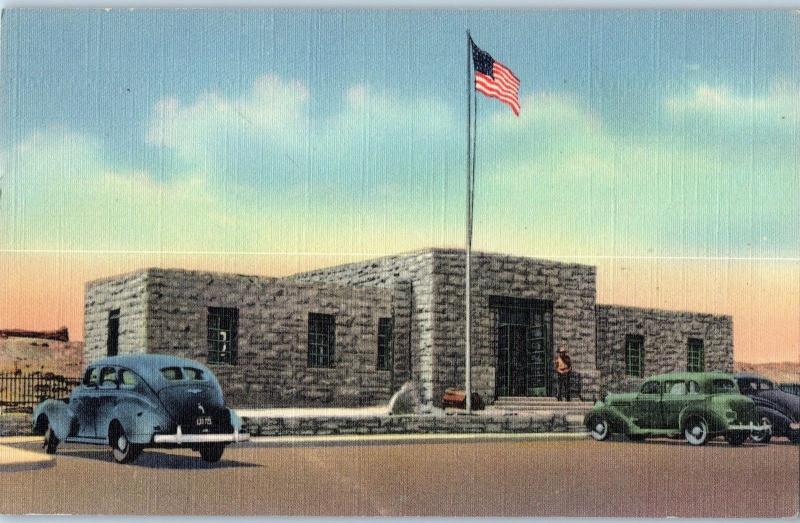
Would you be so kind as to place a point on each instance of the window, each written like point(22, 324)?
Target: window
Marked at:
point(112, 341)
point(90, 378)
point(676, 388)
point(384, 343)
point(694, 388)
point(321, 340)
point(223, 325)
point(651, 387)
point(696, 356)
point(172, 373)
point(190, 373)
point(127, 379)
point(634, 355)
point(108, 378)
point(719, 386)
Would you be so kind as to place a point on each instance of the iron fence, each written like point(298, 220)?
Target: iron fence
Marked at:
point(24, 391)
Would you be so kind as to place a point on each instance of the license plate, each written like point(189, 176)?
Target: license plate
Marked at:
point(202, 421)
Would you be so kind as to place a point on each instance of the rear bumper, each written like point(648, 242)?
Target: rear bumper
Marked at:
point(180, 438)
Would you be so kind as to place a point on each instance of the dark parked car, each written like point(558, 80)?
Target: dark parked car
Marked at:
point(696, 405)
point(791, 388)
point(781, 410)
point(138, 401)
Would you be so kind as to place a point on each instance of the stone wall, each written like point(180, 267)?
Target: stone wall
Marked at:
point(666, 335)
point(272, 363)
point(410, 274)
point(15, 424)
point(540, 422)
point(127, 293)
point(570, 288)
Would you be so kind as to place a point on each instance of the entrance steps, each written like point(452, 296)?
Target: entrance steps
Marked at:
point(528, 404)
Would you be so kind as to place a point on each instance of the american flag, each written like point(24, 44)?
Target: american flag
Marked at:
point(495, 79)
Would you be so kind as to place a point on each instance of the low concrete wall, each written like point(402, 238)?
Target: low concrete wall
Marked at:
point(15, 424)
point(415, 424)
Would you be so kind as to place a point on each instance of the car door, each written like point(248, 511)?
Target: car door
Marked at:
point(672, 403)
point(83, 403)
point(107, 400)
point(648, 405)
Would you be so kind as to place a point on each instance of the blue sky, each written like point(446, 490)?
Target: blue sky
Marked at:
point(661, 146)
point(651, 132)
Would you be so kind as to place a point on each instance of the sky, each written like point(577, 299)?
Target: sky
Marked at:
point(660, 146)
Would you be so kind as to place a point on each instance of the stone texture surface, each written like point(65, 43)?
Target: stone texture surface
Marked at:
point(437, 327)
point(126, 292)
point(15, 424)
point(414, 424)
point(666, 335)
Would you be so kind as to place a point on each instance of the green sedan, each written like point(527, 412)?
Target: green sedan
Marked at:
point(697, 405)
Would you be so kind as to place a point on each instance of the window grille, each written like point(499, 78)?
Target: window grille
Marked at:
point(634, 356)
point(321, 340)
point(223, 325)
point(385, 343)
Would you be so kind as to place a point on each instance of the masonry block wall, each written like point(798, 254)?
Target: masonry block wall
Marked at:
point(128, 294)
point(410, 275)
point(272, 350)
point(570, 288)
point(666, 337)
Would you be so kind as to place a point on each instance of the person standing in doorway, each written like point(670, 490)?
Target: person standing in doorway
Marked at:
point(563, 370)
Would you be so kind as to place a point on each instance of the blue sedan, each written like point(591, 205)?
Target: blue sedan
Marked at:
point(146, 400)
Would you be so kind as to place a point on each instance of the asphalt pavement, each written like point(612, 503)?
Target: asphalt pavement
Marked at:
point(514, 477)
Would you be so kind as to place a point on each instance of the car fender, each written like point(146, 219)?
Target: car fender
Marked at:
point(780, 422)
point(617, 421)
point(715, 422)
point(60, 417)
point(139, 419)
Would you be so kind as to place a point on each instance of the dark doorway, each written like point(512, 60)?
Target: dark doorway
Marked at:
point(524, 347)
point(112, 343)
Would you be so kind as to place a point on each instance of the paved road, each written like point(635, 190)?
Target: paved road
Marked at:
point(520, 478)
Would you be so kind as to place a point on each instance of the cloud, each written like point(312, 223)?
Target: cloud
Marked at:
point(719, 110)
point(270, 171)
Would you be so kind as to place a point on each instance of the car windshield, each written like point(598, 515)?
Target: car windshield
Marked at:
point(722, 385)
point(172, 373)
point(190, 373)
point(183, 373)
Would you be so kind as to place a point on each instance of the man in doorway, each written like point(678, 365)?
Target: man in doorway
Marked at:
point(563, 370)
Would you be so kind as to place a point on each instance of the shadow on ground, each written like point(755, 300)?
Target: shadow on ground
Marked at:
point(156, 459)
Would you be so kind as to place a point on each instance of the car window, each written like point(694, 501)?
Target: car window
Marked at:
point(721, 385)
point(172, 373)
point(108, 377)
point(90, 378)
point(675, 387)
point(190, 373)
point(127, 379)
point(651, 387)
point(765, 385)
point(694, 387)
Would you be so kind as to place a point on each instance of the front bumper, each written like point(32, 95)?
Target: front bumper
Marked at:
point(180, 438)
point(751, 427)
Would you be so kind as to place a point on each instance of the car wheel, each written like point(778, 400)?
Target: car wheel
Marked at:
point(50, 442)
point(696, 432)
point(795, 438)
point(123, 450)
point(736, 438)
point(212, 452)
point(762, 436)
point(599, 429)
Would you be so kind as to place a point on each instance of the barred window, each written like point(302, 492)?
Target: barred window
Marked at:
point(384, 343)
point(696, 359)
point(321, 340)
point(634, 356)
point(223, 325)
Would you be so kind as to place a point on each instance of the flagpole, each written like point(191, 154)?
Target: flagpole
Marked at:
point(468, 250)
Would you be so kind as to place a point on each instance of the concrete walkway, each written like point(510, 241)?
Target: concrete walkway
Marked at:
point(291, 412)
point(13, 459)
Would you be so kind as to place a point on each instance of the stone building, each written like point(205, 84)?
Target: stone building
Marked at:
point(352, 334)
